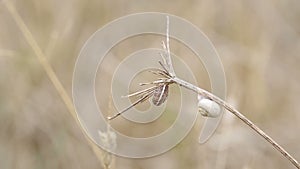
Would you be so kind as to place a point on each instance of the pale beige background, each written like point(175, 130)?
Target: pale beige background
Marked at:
point(259, 45)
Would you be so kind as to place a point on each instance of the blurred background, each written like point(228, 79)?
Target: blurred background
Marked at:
point(258, 43)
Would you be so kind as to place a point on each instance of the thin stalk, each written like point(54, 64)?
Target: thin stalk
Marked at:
point(48, 69)
point(166, 47)
point(232, 110)
point(221, 102)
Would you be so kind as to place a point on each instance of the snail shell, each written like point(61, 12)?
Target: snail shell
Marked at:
point(208, 108)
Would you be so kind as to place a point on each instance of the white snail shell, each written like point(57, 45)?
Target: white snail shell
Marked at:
point(208, 108)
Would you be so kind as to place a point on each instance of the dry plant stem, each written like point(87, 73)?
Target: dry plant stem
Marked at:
point(140, 92)
point(48, 69)
point(228, 107)
point(204, 93)
point(167, 57)
point(41, 57)
point(146, 93)
point(142, 99)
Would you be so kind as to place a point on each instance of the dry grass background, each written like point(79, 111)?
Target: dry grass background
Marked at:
point(259, 45)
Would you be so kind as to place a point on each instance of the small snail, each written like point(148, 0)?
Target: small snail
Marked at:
point(208, 108)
